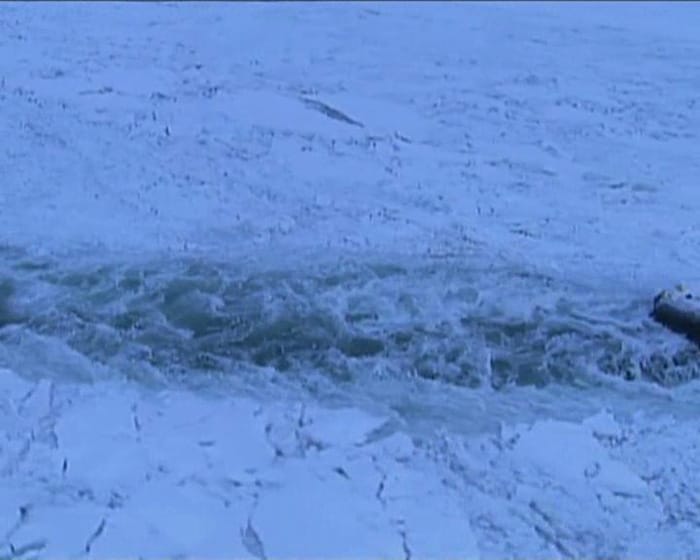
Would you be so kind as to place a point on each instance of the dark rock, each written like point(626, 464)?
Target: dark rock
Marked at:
point(679, 311)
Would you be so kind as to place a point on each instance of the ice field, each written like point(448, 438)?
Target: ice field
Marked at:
point(347, 280)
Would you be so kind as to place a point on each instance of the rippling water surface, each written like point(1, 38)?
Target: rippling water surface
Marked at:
point(387, 328)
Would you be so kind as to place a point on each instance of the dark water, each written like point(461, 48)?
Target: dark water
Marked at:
point(452, 322)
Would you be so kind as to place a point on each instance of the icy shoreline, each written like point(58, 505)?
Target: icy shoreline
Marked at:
point(113, 469)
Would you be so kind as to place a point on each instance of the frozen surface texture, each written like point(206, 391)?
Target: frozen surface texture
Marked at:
point(334, 280)
point(116, 470)
point(559, 134)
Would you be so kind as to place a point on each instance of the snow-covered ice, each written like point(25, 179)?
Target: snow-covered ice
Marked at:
point(347, 279)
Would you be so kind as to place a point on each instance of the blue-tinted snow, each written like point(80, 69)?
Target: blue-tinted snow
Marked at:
point(463, 209)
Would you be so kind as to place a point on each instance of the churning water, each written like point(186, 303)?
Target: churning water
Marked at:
point(446, 320)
